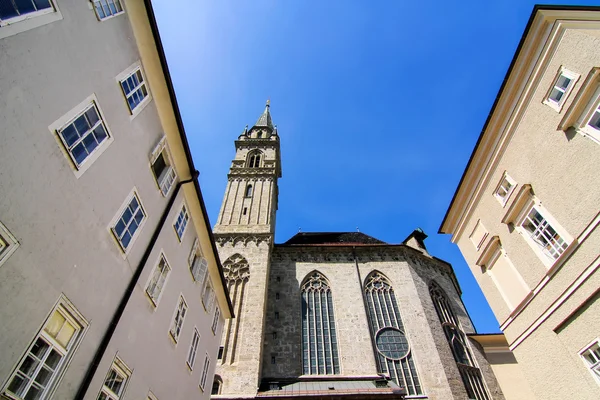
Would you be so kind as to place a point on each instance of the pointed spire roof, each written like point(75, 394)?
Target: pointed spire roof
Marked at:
point(265, 119)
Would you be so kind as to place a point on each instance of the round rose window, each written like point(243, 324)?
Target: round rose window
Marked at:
point(392, 343)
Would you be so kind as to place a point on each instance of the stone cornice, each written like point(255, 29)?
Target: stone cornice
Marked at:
point(223, 239)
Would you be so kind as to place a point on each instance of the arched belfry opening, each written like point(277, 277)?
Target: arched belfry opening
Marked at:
point(237, 273)
point(254, 159)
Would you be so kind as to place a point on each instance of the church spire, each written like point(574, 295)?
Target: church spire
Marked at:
point(264, 121)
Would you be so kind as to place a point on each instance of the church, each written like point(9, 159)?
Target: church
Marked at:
point(334, 314)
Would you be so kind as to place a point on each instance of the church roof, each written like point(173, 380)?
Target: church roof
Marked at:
point(335, 238)
point(265, 119)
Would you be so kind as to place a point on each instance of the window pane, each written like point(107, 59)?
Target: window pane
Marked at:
point(563, 82)
point(70, 135)
point(24, 6)
point(65, 335)
point(17, 385)
point(34, 393)
point(53, 359)
point(595, 120)
point(54, 324)
point(556, 95)
point(81, 124)
point(7, 9)
point(92, 115)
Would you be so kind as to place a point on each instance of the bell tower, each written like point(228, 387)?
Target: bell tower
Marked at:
point(244, 234)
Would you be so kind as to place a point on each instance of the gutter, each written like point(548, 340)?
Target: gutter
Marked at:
point(186, 147)
point(114, 322)
point(536, 8)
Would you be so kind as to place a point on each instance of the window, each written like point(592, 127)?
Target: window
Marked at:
point(561, 88)
point(591, 358)
point(215, 322)
point(478, 235)
point(593, 124)
point(129, 222)
point(504, 189)
point(178, 319)
point(393, 353)
point(208, 296)
point(220, 353)
point(198, 264)
point(319, 339)
point(274, 335)
point(276, 296)
point(248, 191)
point(216, 387)
point(193, 349)
point(254, 159)
point(273, 360)
point(14, 11)
point(134, 88)
point(469, 372)
point(181, 222)
point(163, 171)
point(107, 8)
point(158, 280)
point(8, 243)
point(115, 381)
point(276, 314)
point(543, 234)
point(245, 211)
point(84, 134)
point(204, 371)
point(38, 371)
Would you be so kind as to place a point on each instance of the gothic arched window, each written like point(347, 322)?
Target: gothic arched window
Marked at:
point(319, 342)
point(248, 191)
point(216, 386)
point(393, 352)
point(469, 372)
point(254, 159)
point(237, 274)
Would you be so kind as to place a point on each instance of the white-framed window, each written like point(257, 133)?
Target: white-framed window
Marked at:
point(107, 8)
point(205, 371)
point(191, 358)
point(18, 16)
point(8, 243)
point(198, 263)
point(561, 88)
point(215, 322)
point(134, 87)
point(162, 169)
point(115, 381)
point(504, 189)
point(178, 319)
point(39, 369)
point(545, 235)
point(591, 358)
point(478, 235)
point(208, 295)
point(130, 220)
point(158, 280)
point(589, 122)
point(181, 222)
point(84, 134)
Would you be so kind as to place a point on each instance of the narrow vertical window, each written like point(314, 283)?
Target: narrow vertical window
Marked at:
point(215, 323)
point(561, 88)
point(193, 349)
point(319, 340)
point(135, 90)
point(254, 159)
point(208, 296)
point(107, 8)
point(181, 222)
point(216, 387)
point(44, 361)
point(504, 189)
point(469, 372)
point(158, 280)
point(8, 243)
point(205, 371)
point(115, 381)
point(198, 263)
point(178, 319)
point(248, 191)
point(220, 353)
point(392, 349)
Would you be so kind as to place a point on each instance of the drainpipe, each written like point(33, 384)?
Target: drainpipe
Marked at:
point(362, 294)
point(114, 322)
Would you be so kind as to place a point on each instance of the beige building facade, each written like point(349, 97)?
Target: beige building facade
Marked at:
point(110, 282)
point(526, 213)
point(334, 314)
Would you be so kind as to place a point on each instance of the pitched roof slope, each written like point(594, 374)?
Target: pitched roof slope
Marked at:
point(331, 238)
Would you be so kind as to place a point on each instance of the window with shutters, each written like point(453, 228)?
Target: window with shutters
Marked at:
point(198, 263)
point(215, 322)
point(208, 296)
point(319, 340)
point(158, 280)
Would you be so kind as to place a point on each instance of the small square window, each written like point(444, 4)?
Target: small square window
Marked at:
point(181, 222)
point(129, 223)
point(107, 8)
point(562, 86)
point(178, 318)
point(158, 280)
point(504, 189)
point(134, 88)
point(591, 358)
point(115, 381)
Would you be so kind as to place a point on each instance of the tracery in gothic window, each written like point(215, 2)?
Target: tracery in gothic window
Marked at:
point(237, 274)
point(319, 342)
point(469, 372)
point(393, 353)
point(254, 159)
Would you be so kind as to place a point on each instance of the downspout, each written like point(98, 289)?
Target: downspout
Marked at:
point(362, 294)
point(91, 371)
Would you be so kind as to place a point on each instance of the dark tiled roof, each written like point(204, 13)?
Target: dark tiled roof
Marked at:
point(335, 238)
point(265, 119)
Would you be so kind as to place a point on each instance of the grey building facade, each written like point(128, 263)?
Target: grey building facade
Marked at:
point(110, 282)
point(337, 314)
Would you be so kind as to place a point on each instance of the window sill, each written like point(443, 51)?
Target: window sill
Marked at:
point(109, 17)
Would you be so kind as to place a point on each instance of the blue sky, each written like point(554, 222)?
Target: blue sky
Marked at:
point(378, 105)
